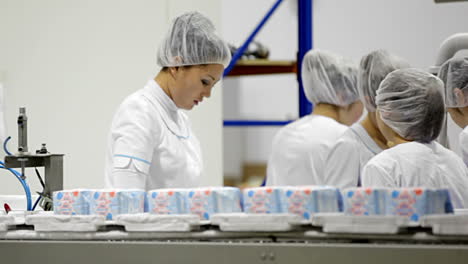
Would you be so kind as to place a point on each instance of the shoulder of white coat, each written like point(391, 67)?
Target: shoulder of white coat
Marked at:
point(337, 132)
point(137, 108)
point(335, 124)
point(387, 160)
point(409, 147)
point(342, 128)
point(451, 155)
point(286, 131)
point(302, 122)
point(296, 133)
point(379, 171)
point(346, 146)
point(347, 140)
point(330, 128)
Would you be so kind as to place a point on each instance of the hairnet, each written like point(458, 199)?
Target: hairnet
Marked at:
point(192, 40)
point(329, 78)
point(454, 73)
point(410, 101)
point(373, 68)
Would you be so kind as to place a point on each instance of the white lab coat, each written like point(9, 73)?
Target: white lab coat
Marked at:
point(151, 144)
point(416, 164)
point(348, 156)
point(464, 144)
point(300, 149)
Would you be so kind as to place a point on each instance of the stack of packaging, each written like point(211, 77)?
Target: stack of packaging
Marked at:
point(406, 202)
point(108, 203)
point(299, 200)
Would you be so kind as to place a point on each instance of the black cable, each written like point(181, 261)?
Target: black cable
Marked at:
point(40, 178)
point(37, 201)
point(41, 195)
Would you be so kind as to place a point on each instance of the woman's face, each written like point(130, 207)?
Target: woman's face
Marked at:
point(193, 84)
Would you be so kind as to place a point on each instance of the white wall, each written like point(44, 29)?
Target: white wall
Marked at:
point(412, 29)
point(72, 62)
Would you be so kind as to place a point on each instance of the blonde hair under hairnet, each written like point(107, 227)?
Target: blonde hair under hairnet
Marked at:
point(373, 68)
point(410, 102)
point(454, 73)
point(192, 40)
point(329, 78)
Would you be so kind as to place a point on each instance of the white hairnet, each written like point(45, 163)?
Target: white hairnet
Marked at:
point(454, 73)
point(373, 68)
point(192, 40)
point(329, 78)
point(410, 102)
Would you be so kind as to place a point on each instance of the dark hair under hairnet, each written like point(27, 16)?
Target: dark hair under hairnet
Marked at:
point(410, 101)
point(373, 68)
point(454, 74)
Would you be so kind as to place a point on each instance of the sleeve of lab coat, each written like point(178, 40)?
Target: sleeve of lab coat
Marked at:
point(342, 167)
point(135, 132)
point(464, 144)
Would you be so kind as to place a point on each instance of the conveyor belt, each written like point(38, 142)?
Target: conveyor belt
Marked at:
point(209, 245)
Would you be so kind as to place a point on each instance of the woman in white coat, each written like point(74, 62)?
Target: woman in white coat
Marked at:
point(410, 112)
point(299, 150)
point(151, 143)
point(454, 73)
point(362, 140)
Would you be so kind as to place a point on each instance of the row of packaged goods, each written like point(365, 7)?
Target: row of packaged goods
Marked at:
point(299, 200)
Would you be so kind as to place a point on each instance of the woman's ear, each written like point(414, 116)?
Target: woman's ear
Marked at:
point(173, 71)
point(460, 97)
point(386, 131)
point(178, 60)
point(367, 100)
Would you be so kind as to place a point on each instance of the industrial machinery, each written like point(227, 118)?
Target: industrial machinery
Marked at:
point(52, 163)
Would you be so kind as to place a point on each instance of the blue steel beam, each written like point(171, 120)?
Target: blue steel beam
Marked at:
point(305, 44)
point(255, 123)
point(244, 46)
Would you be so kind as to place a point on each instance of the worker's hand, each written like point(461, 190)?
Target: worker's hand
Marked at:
point(459, 115)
